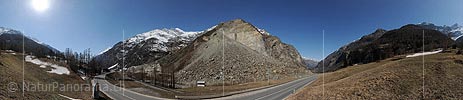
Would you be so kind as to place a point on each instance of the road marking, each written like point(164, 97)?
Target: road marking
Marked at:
point(301, 88)
point(262, 91)
point(126, 90)
point(128, 97)
point(297, 83)
point(282, 90)
point(277, 91)
point(115, 92)
point(107, 94)
point(145, 95)
point(68, 97)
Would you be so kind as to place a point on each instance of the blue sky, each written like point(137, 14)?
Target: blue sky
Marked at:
point(98, 24)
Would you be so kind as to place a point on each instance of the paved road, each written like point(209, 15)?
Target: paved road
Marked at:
point(273, 93)
point(118, 93)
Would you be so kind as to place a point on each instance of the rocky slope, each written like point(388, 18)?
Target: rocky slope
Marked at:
point(384, 44)
point(236, 49)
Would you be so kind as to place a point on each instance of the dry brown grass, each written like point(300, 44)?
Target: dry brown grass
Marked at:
point(393, 78)
point(11, 72)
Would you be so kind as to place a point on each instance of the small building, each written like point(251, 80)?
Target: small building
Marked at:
point(200, 83)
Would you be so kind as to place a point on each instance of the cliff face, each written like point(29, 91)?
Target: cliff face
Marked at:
point(261, 41)
point(284, 52)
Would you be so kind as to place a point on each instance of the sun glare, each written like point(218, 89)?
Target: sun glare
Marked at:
point(40, 5)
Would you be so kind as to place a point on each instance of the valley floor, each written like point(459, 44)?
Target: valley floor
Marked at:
point(394, 78)
point(194, 92)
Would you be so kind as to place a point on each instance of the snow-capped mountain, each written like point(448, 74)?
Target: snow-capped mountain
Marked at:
point(44, 44)
point(11, 39)
point(454, 31)
point(162, 38)
point(107, 49)
point(148, 46)
point(4, 30)
point(310, 63)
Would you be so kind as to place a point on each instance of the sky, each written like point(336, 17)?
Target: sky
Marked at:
point(98, 24)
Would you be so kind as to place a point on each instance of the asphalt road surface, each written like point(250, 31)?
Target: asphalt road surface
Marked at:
point(273, 93)
point(117, 93)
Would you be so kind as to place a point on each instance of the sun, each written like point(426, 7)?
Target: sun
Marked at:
point(40, 5)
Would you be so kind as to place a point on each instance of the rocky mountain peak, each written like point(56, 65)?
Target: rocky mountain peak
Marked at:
point(380, 30)
point(148, 46)
point(4, 30)
point(412, 26)
point(244, 33)
point(236, 21)
point(455, 25)
point(454, 31)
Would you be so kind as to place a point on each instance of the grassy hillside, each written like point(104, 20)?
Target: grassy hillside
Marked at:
point(11, 74)
point(396, 78)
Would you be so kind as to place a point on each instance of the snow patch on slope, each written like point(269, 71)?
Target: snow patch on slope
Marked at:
point(307, 58)
point(113, 66)
point(262, 31)
point(424, 53)
point(55, 68)
point(7, 30)
point(104, 50)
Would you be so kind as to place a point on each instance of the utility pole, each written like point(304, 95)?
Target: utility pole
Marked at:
point(268, 67)
point(223, 63)
point(123, 60)
point(268, 70)
point(24, 58)
point(423, 64)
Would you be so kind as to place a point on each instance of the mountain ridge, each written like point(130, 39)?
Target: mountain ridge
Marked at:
point(454, 31)
point(11, 39)
point(382, 44)
point(147, 46)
